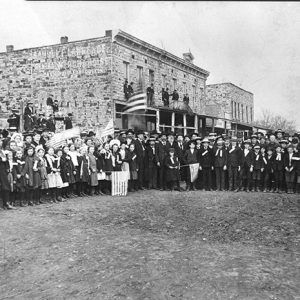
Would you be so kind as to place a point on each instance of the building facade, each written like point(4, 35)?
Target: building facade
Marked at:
point(86, 78)
point(231, 106)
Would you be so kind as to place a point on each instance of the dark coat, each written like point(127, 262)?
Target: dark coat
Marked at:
point(4, 184)
point(172, 174)
point(247, 161)
point(67, 169)
point(289, 163)
point(268, 163)
point(278, 164)
point(220, 161)
point(162, 153)
point(206, 157)
point(234, 157)
point(28, 169)
point(191, 158)
point(258, 162)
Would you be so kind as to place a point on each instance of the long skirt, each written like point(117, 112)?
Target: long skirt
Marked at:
point(54, 180)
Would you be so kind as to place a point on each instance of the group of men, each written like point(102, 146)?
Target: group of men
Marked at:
point(261, 163)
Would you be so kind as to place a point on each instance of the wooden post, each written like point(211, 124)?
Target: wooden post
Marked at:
point(184, 124)
point(196, 123)
point(157, 121)
point(173, 121)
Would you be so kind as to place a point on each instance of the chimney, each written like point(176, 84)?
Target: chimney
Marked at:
point(189, 57)
point(9, 48)
point(64, 40)
point(108, 33)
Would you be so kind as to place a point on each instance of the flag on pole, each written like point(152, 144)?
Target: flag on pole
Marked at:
point(119, 183)
point(136, 102)
point(60, 138)
point(108, 130)
point(194, 168)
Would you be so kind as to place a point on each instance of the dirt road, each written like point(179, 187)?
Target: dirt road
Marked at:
point(153, 245)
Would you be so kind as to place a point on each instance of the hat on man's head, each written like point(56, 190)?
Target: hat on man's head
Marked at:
point(254, 136)
point(279, 131)
point(172, 150)
point(295, 140)
point(154, 132)
point(14, 110)
point(162, 133)
point(139, 131)
point(256, 147)
point(220, 143)
point(247, 142)
point(129, 131)
point(91, 133)
point(205, 140)
point(170, 133)
point(152, 138)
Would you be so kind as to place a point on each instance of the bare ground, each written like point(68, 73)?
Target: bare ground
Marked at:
point(153, 245)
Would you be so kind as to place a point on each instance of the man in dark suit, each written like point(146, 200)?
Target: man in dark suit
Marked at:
point(140, 152)
point(68, 121)
point(150, 95)
point(220, 165)
point(206, 164)
point(162, 154)
point(151, 158)
point(246, 167)
point(165, 97)
point(51, 123)
point(14, 120)
point(234, 164)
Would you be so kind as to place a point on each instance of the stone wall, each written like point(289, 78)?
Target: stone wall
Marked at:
point(222, 99)
point(77, 74)
point(164, 74)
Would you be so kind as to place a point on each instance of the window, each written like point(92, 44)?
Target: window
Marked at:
point(194, 93)
point(126, 69)
point(235, 110)
point(232, 107)
point(242, 112)
point(251, 114)
point(239, 113)
point(164, 83)
point(201, 92)
point(174, 83)
point(140, 74)
point(184, 88)
point(247, 115)
point(151, 76)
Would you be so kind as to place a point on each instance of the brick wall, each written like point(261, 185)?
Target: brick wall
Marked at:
point(223, 98)
point(77, 74)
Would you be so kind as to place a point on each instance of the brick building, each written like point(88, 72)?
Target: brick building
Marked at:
point(86, 78)
point(230, 107)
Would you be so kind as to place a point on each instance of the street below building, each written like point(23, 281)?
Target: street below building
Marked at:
point(153, 245)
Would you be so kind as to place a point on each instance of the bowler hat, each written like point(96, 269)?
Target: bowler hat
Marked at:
point(129, 131)
point(256, 147)
point(284, 141)
point(139, 131)
point(247, 142)
point(205, 140)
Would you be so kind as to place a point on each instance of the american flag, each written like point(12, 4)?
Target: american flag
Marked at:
point(60, 138)
point(137, 101)
point(119, 183)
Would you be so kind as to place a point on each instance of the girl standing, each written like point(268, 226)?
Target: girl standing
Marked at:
point(93, 169)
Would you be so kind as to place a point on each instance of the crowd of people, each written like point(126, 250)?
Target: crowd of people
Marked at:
point(32, 172)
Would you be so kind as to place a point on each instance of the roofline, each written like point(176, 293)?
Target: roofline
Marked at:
point(223, 83)
point(161, 51)
point(58, 44)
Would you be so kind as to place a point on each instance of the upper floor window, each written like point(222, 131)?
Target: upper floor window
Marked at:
point(174, 84)
point(184, 88)
point(194, 93)
point(140, 74)
point(151, 76)
point(126, 70)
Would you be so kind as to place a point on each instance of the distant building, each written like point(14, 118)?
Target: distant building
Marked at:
point(230, 106)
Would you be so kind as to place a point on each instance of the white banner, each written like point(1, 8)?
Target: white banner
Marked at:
point(194, 168)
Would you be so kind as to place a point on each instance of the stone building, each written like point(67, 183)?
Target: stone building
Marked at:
point(230, 107)
point(86, 78)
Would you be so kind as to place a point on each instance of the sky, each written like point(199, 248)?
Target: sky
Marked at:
point(251, 44)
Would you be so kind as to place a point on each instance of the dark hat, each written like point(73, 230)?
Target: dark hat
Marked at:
point(14, 110)
point(91, 133)
point(170, 133)
point(70, 114)
point(261, 133)
point(139, 131)
point(28, 133)
point(279, 131)
point(154, 132)
point(269, 149)
point(162, 133)
point(5, 133)
point(187, 136)
point(192, 142)
point(152, 138)
point(172, 150)
point(129, 131)
point(295, 140)
point(290, 146)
